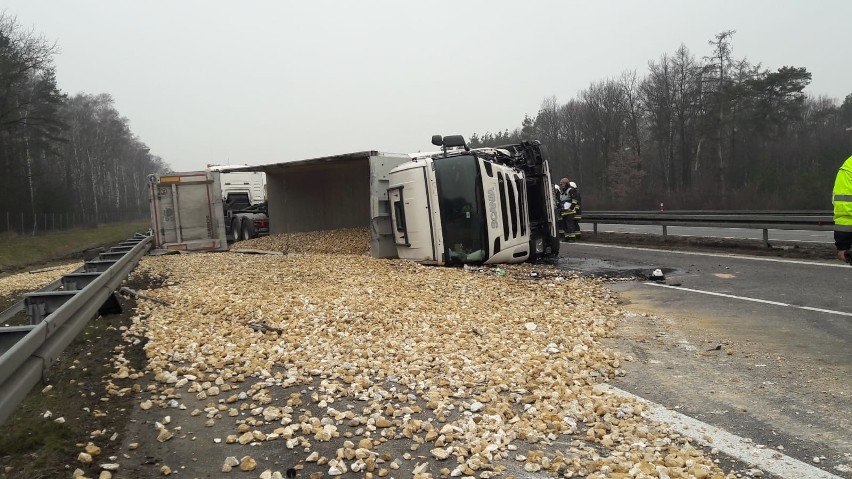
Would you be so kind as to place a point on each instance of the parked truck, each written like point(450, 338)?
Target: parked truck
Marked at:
point(246, 213)
point(474, 206)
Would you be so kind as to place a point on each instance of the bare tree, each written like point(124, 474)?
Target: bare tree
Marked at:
point(718, 70)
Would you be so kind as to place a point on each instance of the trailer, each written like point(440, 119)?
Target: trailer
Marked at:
point(340, 191)
point(187, 212)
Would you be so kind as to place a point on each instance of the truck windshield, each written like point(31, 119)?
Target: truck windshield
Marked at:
point(462, 209)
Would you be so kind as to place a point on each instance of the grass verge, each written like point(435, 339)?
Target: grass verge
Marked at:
point(18, 251)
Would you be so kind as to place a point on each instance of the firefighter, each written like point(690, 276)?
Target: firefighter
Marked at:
point(567, 206)
point(576, 200)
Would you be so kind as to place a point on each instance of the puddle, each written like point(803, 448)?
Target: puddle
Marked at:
point(599, 268)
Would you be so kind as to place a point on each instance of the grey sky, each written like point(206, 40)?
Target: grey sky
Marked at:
point(267, 81)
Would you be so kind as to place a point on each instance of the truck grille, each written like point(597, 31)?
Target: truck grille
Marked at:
point(511, 205)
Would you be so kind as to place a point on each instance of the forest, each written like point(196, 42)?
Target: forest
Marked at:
point(711, 132)
point(65, 160)
point(692, 132)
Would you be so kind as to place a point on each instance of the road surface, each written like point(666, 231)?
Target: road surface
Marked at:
point(757, 346)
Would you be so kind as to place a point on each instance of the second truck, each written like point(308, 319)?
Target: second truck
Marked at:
point(244, 202)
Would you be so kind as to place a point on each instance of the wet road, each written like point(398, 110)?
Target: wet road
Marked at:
point(758, 346)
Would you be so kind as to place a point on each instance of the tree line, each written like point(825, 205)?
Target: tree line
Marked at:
point(73, 156)
point(714, 132)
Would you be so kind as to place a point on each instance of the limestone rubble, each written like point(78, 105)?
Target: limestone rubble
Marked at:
point(492, 373)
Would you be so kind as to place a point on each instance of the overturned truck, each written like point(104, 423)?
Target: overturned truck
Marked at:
point(484, 205)
point(471, 206)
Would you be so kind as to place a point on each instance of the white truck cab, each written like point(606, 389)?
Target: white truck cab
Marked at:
point(241, 189)
point(482, 206)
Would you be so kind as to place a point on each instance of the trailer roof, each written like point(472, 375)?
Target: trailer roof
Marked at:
point(359, 155)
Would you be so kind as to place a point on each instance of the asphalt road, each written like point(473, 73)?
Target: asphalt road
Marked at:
point(761, 347)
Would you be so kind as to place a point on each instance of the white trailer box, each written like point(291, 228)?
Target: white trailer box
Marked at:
point(186, 211)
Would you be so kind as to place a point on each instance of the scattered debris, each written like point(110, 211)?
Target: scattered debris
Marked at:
point(129, 292)
point(497, 362)
point(264, 327)
point(45, 270)
point(258, 251)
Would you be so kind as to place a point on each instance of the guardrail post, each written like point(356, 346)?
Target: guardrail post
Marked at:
point(78, 281)
point(595, 228)
point(766, 237)
point(111, 255)
point(97, 266)
point(665, 232)
point(40, 305)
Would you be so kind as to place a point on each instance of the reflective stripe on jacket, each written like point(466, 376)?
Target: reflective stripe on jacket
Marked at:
point(842, 198)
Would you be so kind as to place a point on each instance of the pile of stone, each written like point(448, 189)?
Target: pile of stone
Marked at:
point(339, 241)
point(16, 284)
point(385, 368)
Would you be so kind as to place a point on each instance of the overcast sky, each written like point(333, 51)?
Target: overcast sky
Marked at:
point(254, 82)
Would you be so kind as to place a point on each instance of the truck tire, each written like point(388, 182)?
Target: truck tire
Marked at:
point(235, 230)
point(554, 247)
point(247, 230)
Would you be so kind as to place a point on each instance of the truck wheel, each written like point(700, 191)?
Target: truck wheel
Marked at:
point(247, 230)
point(235, 230)
point(554, 247)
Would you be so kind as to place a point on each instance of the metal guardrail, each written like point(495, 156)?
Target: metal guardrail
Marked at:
point(16, 308)
point(763, 220)
point(57, 317)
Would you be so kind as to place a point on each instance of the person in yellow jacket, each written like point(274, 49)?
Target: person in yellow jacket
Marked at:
point(842, 200)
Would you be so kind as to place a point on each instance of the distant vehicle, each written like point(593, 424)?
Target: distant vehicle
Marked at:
point(241, 189)
point(244, 201)
point(480, 206)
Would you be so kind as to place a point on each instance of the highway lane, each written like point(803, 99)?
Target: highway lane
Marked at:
point(758, 346)
point(804, 236)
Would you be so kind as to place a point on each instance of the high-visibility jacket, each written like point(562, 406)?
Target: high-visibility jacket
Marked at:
point(842, 198)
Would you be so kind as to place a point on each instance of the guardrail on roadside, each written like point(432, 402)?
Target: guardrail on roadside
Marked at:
point(764, 220)
point(57, 317)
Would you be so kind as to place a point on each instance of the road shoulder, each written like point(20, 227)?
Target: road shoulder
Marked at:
point(707, 363)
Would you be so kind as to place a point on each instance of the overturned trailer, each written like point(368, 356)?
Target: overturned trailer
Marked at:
point(341, 191)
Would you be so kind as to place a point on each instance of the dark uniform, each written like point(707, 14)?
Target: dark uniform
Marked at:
point(567, 210)
point(576, 200)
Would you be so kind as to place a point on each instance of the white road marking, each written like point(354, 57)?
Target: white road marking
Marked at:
point(745, 298)
point(769, 460)
point(722, 255)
